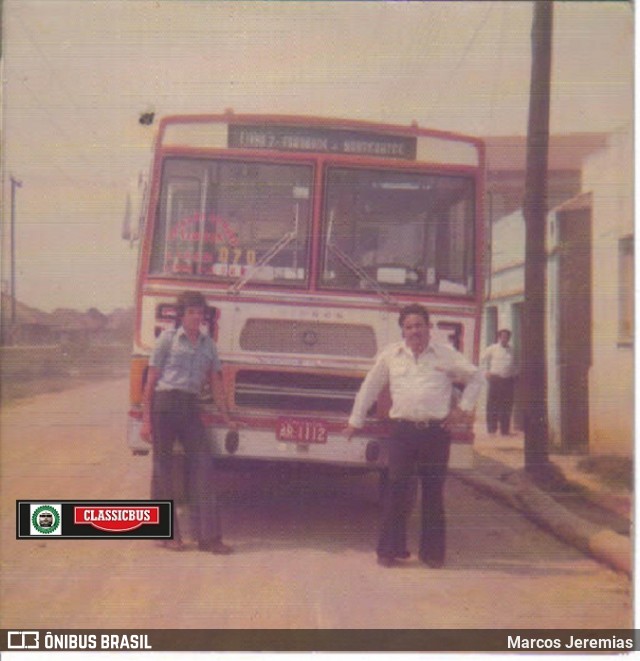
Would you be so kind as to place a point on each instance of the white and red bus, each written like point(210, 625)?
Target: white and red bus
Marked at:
point(306, 236)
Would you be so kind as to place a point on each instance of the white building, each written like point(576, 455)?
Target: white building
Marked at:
point(589, 317)
point(608, 180)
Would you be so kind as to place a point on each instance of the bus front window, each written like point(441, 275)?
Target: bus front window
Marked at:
point(221, 219)
point(401, 231)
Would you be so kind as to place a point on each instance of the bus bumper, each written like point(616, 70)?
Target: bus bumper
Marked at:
point(261, 445)
point(360, 451)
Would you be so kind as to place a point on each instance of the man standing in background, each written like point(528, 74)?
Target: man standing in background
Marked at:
point(499, 362)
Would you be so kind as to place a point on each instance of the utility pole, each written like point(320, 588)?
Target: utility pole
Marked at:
point(14, 184)
point(536, 431)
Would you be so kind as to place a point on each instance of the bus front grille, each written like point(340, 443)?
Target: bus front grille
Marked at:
point(288, 391)
point(308, 338)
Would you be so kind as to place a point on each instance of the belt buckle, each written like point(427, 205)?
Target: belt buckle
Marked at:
point(422, 424)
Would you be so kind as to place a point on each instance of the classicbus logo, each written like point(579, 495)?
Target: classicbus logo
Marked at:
point(90, 519)
point(116, 519)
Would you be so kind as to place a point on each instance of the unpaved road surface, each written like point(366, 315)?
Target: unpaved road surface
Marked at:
point(303, 547)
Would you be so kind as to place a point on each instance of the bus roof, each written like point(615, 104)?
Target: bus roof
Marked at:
point(318, 134)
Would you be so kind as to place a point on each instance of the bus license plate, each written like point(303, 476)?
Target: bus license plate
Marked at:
point(299, 430)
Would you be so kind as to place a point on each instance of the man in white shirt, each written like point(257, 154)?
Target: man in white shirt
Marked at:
point(421, 375)
point(499, 361)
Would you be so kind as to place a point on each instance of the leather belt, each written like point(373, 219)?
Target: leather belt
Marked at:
point(182, 395)
point(420, 424)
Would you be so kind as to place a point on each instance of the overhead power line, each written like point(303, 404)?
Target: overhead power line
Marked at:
point(451, 76)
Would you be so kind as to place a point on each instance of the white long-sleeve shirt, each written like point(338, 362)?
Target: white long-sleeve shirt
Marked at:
point(421, 387)
point(499, 360)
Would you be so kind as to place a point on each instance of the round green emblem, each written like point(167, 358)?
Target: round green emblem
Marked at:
point(45, 519)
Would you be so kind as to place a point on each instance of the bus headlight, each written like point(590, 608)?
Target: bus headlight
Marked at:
point(372, 452)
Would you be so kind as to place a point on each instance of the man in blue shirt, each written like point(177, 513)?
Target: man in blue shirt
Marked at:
point(182, 361)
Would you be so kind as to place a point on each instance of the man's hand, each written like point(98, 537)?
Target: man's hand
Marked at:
point(349, 431)
point(458, 418)
point(145, 432)
point(153, 377)
point(233, 424)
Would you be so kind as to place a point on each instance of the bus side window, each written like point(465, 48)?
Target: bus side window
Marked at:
point(453, 332)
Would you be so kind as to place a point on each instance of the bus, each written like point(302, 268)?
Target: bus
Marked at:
point(306, 235)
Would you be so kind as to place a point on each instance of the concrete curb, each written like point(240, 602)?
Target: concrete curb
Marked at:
point(519, 492)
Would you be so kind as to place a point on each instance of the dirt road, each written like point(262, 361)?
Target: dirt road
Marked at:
point(304, 547)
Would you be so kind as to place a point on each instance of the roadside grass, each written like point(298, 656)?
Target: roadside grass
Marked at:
point(29, 371)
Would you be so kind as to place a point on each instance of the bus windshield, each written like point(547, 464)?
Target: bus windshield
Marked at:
point(401, 231)
point(222, 220)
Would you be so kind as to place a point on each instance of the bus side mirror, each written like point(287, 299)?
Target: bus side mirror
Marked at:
point(127, 233)
point(134, 209)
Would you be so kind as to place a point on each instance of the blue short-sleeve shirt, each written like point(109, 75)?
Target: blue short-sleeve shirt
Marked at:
point(182, 364)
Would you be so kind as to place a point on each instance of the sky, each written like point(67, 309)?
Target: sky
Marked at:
point(78, 73)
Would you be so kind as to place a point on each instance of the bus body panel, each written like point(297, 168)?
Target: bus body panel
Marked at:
point(274, 366)
point(294, 354)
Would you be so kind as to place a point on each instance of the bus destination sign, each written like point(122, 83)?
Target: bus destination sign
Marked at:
point(331, 141)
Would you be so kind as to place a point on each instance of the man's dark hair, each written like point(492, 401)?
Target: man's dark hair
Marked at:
point(414, 308)
point(190, 299)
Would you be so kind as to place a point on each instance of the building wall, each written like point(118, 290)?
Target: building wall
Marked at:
point(609, 176)
point(607, 193)
point(507, 269)
point(553, 360)
point(506, 293)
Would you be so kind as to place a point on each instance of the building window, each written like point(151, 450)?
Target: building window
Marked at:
point(625, 290)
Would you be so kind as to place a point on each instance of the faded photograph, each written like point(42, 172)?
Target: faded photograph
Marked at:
point(352, 284)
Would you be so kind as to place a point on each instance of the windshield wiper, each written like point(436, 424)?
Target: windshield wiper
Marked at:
point(263, 261)
point(361, 273)
point(279, 245)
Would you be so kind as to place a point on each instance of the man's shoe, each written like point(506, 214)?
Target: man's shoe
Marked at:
point(172, 544)
point(403, 555)
point(218, 547)
point(385, 561)
point(432, 562)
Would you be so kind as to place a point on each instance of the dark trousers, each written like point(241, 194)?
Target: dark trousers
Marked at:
point(175, 416)
point(499, 403)
point(425, 453)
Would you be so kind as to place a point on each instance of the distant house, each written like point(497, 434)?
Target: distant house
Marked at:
point(75, 327)
point(21, 324)
point(589, 320)
point(120, 325)
point(24, 325)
